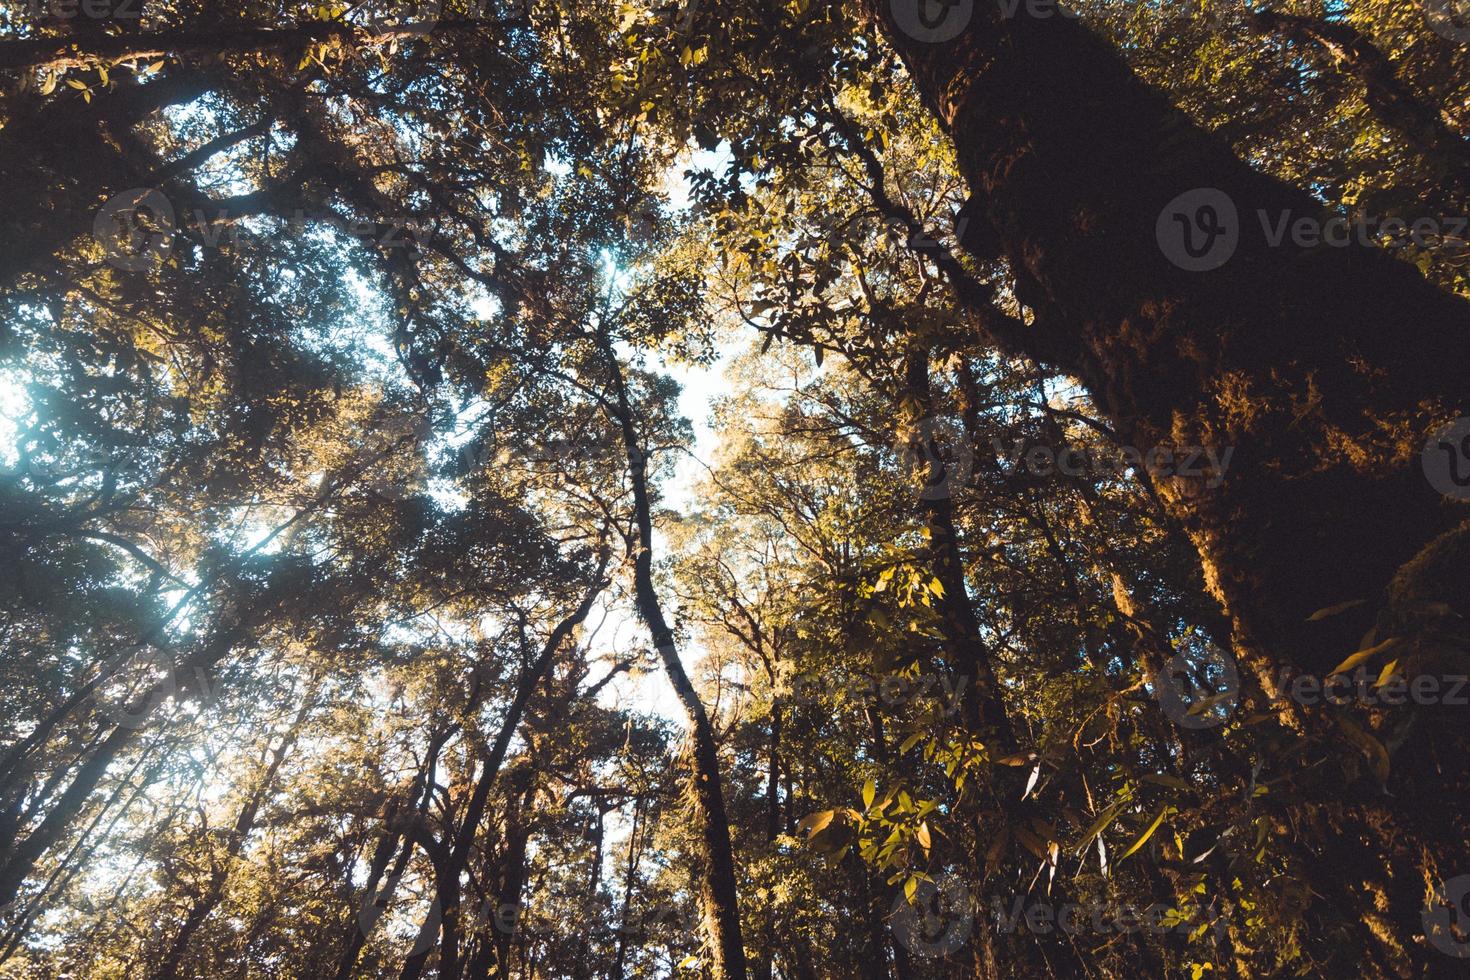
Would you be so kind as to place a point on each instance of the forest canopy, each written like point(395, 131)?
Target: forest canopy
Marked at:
point(734, 489)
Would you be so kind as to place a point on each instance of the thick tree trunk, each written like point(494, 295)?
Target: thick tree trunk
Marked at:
point(1286, 355)
point(1294, 358)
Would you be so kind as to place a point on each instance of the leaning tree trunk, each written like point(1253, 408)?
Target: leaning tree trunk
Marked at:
point(718, 890)
point(1095, 190)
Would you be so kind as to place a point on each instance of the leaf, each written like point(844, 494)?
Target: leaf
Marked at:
point(925, 841)
point(1149, 832)
point(816, 822)
point(1388, 671)
point(910, 887)
point(1369, 746)
point(1341, 607)
point(1031, 783)
point(1031, 842)
point(689, 963)
point(49, 86)
point(156, 67)
point(870, 790)
point(76, 84)
point(1164, 779)
point(1363, 655)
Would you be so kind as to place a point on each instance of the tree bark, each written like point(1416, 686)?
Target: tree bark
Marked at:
point(719, 894)
point(1292, 357)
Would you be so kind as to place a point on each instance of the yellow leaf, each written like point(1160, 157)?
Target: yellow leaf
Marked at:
point(1363, 655)
point(1143, 837)
point(76, 84)
point(1341, 607)
point(925, 840)
point(909, 888)
point(816, 822)
point(870, 789)
point(1388, 672)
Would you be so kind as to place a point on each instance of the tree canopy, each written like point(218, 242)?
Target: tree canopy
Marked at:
point(734, 489)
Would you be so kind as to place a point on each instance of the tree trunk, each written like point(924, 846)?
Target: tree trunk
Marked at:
point(719, 895)
point(1086, 182)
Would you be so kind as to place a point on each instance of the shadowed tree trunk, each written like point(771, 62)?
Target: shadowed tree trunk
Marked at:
point(1099, 195)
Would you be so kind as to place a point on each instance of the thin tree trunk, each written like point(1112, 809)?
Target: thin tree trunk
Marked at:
point(458, 855)
point(719, 895)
